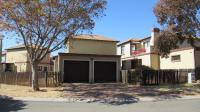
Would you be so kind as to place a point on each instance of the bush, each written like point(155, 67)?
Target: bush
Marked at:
point(135, 74)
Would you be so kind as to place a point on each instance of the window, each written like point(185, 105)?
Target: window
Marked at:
point(39, 68)
point(146, 44)
point(133, 47)
point(176, 58)
point(45, 69)
point(122, 50)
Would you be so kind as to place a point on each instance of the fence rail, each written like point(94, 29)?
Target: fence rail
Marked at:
point(46, 79)
point(157, 77)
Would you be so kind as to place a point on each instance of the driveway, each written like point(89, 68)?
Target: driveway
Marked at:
point(118, 94)
point(160, 106)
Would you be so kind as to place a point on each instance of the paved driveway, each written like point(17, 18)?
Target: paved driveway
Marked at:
point(160, 106)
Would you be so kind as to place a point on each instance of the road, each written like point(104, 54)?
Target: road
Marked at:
point(159, 106)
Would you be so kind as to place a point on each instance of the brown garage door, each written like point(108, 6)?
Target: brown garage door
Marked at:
point(104, 71)
point(76, 71)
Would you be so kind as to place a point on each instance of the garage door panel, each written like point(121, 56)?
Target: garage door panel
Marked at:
point(104, 71)
point(76, 71)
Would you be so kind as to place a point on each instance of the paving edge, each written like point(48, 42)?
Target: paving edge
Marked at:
point(69, 100)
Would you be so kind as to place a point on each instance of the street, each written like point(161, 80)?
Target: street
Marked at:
point(192, 105)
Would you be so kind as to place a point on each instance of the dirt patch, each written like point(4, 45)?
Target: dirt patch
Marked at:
point(102, 91)
point(24, 91)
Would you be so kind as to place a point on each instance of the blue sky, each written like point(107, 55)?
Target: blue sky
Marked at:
point(124, 19)
point(127, 19)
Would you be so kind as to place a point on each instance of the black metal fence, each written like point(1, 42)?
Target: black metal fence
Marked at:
point(45, 79)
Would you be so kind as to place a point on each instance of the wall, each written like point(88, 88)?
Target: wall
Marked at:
point(92, 47)
point(155, 61)
point(187, 60)
point(127, 48)
point(20, 59)
point(197, 58)
point(146, 59)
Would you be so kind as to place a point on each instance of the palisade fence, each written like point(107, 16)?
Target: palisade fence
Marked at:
point(157, 77)
point(46, 79)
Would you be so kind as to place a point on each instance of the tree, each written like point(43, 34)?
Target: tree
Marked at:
point(180, 19)
point(43, 26)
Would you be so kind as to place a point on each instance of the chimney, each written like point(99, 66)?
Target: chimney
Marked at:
point(154, 35)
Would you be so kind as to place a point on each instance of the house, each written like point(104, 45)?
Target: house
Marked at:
point(18, 56)
point(139, 51)
point(6, 67)
point(142, 52)
point(183, 57)
point(89, 58)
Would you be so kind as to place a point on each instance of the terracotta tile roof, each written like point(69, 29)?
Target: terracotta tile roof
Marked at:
point(16, 47)
point(131, 40)
point(94, 37)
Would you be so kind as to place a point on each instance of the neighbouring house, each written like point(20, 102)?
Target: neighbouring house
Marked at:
point(89, 58)
point(18, 56)
point(3, 57)
point(183, 57)
point(139, 51)
point(142, 52)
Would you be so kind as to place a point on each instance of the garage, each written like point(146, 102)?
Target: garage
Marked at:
point(76, 71)
point(104, 71)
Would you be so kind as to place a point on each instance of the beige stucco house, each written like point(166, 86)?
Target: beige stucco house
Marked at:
point(89, 58)
point(140, 52)
point(184, 57)
point(19, 57)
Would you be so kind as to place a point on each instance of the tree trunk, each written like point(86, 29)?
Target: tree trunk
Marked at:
point(35, 85)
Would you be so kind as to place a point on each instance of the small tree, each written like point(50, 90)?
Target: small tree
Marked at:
point(180, 19)
point(43, 26)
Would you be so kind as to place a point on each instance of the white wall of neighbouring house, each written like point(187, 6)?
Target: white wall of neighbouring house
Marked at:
point(186, 60)
point(146, 59)
point(119, 50)
point(127, 48)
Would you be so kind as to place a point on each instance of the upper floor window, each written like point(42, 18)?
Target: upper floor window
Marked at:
point(133, 47)
point(123, 50)
point(146, 44)
point(176, 58)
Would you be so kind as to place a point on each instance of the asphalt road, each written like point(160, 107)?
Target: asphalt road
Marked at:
point(159, 106)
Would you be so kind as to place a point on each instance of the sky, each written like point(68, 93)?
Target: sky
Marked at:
point(124, 19)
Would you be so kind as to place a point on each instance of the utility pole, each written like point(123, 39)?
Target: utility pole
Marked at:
point(1, 46)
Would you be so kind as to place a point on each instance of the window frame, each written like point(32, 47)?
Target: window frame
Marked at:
point(176, 56)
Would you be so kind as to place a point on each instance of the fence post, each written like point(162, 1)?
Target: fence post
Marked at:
point(16, 79)
point(46, 76)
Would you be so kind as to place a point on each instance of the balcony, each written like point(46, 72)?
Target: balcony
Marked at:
point(139, 51)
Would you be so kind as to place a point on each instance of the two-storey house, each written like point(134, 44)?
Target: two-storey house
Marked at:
point(137, 52)
point(89, 58)
point(18, 56)
point(142, 52)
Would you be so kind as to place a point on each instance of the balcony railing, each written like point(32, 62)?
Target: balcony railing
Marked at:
point(139, 51)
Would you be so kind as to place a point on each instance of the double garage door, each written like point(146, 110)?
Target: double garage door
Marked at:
point(78, 71)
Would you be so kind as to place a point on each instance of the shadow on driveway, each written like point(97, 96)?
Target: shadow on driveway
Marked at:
point(113, 93)
point(7, 104)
